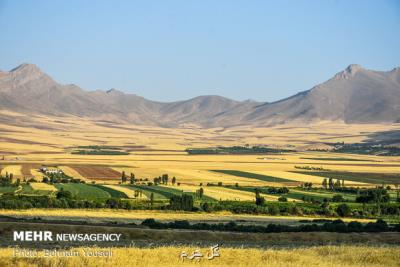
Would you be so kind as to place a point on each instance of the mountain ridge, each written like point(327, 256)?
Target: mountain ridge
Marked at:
point(354, 95)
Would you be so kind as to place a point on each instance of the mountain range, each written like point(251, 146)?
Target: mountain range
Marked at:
point(354, 95)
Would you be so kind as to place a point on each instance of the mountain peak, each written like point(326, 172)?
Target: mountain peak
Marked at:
point(353, 68)
point(113, 91)
point(349, 72)
point(26, 67)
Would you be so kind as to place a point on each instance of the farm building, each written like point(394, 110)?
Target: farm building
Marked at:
point(50, 170)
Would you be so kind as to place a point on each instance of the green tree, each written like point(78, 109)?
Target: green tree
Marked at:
point(187, 202)
point(325, 183)
point(259, 199)
point(282, 199)
point(123, 177)
point(173, 180)
point(164, 178)
point(151, 200)
point(132, 180)
point(201, 192)
point(330, 184)
point(337, 184)
point(64, 194)
point(343, 210)
point(184, 202)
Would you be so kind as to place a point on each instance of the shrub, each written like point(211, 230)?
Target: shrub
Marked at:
point(338, 198)
point(343, 210)
point(282, 199)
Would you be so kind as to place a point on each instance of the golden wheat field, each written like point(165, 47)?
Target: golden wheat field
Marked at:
point(43, 186)
point(154, 151)
point(100, 214)
point(170, 256)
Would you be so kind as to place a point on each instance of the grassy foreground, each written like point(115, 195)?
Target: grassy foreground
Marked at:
point(101, 214)
point(170, 256)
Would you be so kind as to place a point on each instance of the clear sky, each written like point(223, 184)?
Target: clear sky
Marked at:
point(174, 50)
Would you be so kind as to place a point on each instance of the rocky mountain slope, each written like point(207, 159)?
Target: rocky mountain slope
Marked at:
point(353, 95)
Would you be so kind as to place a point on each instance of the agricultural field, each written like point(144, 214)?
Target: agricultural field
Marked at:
point(36, 190)
point(7, 189)
point(43, 186)
point(84, 191)
point(102, 215)
point(363, 177)
point(97, 172)
point(72, 173)
point(118, 191)
point(266, 178)
point(222, 193)
point(229, 181)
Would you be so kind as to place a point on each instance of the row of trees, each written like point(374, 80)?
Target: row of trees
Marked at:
point(183, 202)
point(330, 226)
point(163, 179)
point(124, 178)
point(331, 185)
point(7, 180)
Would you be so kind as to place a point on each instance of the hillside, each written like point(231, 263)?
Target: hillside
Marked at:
point(354, 95)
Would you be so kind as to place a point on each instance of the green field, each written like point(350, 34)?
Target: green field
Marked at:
point(84, 190)
point(254, 176)
point(7, 189)
point(112, 192)
point(365, 177)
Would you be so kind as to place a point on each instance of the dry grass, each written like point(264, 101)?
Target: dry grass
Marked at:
point(43, 186)
point(303, 177)
point(156, 214)
point(72, 173)
point(37, 174)
point(327, 256)
point(14, 169)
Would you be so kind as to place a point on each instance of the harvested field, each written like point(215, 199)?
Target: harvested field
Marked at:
point(37, 174)
point(302, 177)
point(364, 177)
point(261, 177)
point(43, 186)
point(26, 169)
point(71, 172)
point(97, 172)
point(162, 215)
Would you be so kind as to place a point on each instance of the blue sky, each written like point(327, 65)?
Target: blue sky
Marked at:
point(173, 50)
